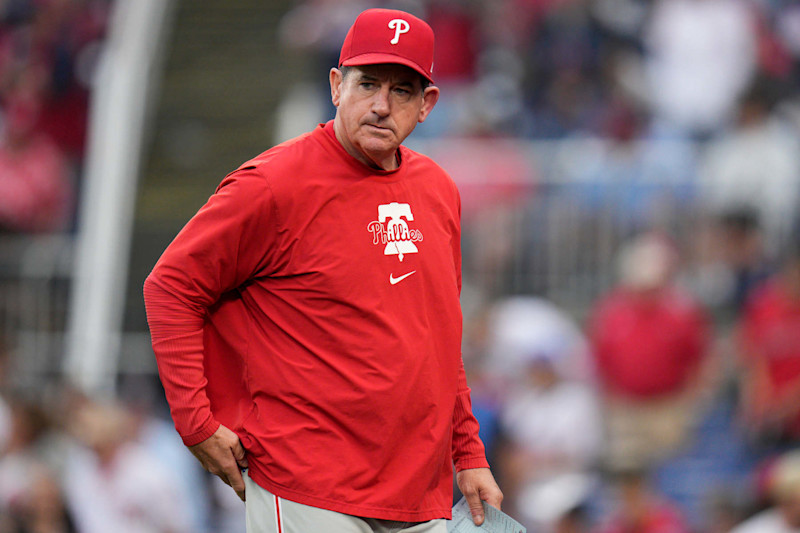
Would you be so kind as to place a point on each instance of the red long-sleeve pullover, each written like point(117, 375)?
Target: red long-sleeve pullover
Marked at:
point(312, 306)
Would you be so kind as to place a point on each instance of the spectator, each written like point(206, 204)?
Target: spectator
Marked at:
point(550, 424)
point(30, 496)
point(770, 346)
point(455, 23)
point(649, 339)
point(59, 38)
point(564, 58)
point(755, 166)
point(728, 259)
point(35, 181)
point(700, 58)
point(552, 432)
point(114, 480)
point(724, 508)
point(522, 326)
point(316, 27)
point(43, 509)
point(784, 488)
point(639, 509)
point(786, 17)
point(139, 395)
point(744, 252)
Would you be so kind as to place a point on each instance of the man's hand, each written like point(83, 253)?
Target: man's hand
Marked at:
point(478, 485)
point(222, 454)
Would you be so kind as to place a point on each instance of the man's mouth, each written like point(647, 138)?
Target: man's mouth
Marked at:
point(378, 127)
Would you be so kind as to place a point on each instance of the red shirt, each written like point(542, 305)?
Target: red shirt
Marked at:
point(771, 334)
point(647, 349)
point(660, 517)
point(35, 187)
point(312, 305)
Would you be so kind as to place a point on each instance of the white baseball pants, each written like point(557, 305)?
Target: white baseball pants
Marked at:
point(267, 513)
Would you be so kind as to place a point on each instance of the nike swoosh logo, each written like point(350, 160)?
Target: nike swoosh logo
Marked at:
point(395, 280)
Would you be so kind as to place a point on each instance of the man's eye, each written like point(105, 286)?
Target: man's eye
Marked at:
point(367, 84)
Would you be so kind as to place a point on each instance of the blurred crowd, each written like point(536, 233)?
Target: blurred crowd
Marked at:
point(545, 69)
point(74, 464)
point(668, 401)
point(653, 414)
point(48, 49)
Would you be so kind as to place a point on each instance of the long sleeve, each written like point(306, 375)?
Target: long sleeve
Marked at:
point(176, 330)
point(468, 450)
point(223, 245)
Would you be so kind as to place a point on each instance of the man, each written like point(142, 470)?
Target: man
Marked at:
point(783, 491)
point(769, 345)
point(306, 321)
point(650, 342)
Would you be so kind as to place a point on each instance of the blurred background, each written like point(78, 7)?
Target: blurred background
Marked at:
point(630, 181)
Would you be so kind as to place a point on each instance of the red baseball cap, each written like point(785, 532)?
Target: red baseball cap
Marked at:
point(389, 36)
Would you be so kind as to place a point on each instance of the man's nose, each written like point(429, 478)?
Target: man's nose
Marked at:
point(381, 104)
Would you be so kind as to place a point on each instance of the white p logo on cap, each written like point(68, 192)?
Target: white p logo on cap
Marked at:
point(400, 27)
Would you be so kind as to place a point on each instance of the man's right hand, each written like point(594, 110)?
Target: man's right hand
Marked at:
point(223, 455)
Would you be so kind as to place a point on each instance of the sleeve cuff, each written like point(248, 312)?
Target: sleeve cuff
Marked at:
point(196, 438)
point(471, 462)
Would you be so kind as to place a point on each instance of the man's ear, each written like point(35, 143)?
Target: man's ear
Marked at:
point(429, 98)
point(336, 80)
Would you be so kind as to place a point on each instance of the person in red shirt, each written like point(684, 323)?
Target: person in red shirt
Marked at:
point(36, 193)
point(306, 321)
point(640, 509)
point(649, 339)
point(770, 345)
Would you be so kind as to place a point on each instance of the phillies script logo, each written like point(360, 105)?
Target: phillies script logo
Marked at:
point(391, 229)
point(400, 27)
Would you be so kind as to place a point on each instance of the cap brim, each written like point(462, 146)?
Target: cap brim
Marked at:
point(379, 59)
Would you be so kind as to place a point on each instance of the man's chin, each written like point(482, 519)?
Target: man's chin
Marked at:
point(379, 147)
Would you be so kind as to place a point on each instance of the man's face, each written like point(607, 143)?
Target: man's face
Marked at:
point(378, 106)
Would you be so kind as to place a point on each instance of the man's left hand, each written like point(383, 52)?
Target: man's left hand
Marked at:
point(478, 485)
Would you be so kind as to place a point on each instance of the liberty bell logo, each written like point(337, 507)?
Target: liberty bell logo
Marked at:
point(391, 229)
